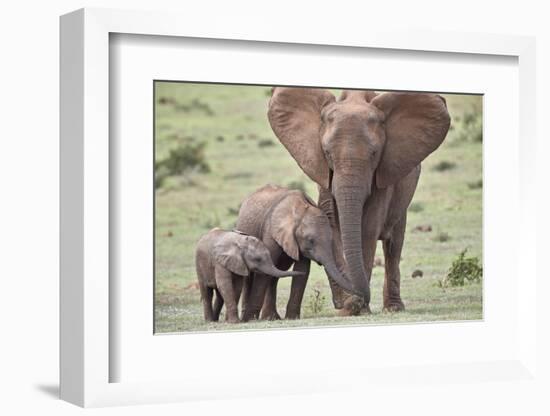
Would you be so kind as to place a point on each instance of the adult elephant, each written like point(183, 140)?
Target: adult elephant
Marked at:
point(364, 151)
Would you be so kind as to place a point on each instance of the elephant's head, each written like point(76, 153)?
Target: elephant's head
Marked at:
point(243, 254)
point(353, 144)
point(301, 228)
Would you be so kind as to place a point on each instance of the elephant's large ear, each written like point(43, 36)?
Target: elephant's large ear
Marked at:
point(416, 125)
point(284, 221)
point(295, 117)
point(229, 255)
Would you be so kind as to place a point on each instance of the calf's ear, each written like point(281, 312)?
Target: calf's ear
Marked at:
point(230, 257)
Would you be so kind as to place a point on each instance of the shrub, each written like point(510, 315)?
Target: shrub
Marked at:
point(298, 185)
point(233, 211)
point(212, 222)
point(181, 160)
point(185, 158)
point(463, 269)
point(442, 237)
point(416, 207)
point(475, 185)
point(202, 106)
point(417, 273)
point(166, 101)
point(470, 126)
point(161, 173)
point(266, 143)
point(444, 165)
point(316, 302)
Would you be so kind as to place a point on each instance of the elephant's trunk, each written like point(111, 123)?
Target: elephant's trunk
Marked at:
point(350, 200)
point(332, 270)
point(273, 271)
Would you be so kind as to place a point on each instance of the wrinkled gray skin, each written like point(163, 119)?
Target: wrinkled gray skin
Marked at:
point(295, 231)
point(364, 151)
point(223, 259)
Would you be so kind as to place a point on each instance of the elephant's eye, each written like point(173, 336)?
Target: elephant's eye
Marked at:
point(258, 259)
point(327, 116)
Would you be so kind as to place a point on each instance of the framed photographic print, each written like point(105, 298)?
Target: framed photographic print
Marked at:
point(218, 165)
point(262, 216)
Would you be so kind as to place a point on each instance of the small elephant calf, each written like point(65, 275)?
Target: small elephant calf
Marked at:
point(223, 259)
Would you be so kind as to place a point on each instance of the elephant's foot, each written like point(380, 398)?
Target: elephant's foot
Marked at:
point(233, 320)
point(292, 315)
point(338, 299)
point(365, 309)
point(394, 306)
point(352, 306)
point(246, 317)
point(339, 295)
point(270, 316)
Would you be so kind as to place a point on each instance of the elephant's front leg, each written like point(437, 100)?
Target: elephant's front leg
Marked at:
point(392, 277)
point(269, 308)
point(224, 282)
point(297, 289)
point(256, 294)
point(245, 291)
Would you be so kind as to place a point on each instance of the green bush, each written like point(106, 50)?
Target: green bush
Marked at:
point(470, 126)
point(298, 185)
point(266, 143)
point(211, 221)
point(442, 237)
point(444, 165)
point(464, 269)
point(416, 207)
point(161, 173)
point(476, 184)
point(316, 302)
point(180, 161)
point(233, 211)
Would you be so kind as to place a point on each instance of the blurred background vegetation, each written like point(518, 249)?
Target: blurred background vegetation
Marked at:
point(214, 146)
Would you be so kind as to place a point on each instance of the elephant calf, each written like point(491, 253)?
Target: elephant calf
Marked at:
point(222, 260)
point(294, 230)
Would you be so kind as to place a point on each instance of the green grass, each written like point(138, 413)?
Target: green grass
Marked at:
point(188, 206)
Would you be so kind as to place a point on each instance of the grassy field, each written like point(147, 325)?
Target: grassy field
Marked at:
point(243, 154)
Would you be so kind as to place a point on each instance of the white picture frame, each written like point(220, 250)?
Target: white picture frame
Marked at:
point(86, 334)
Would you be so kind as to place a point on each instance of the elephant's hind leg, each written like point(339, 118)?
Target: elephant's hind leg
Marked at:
point(218, 304)
point(256, 296)
point(238, 283)
point(206, 297)
point(269, 308)
point(392, 278)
